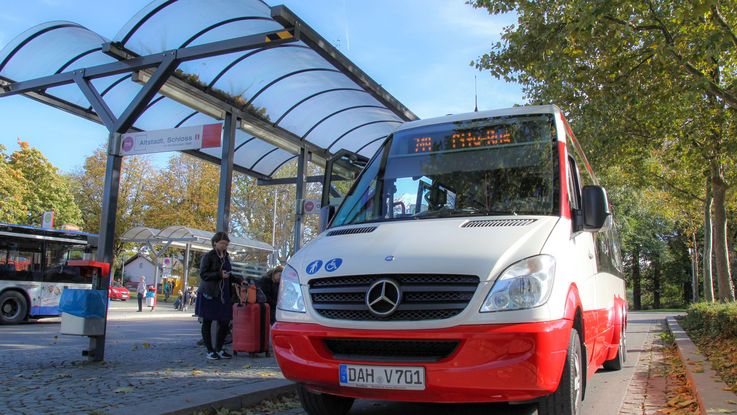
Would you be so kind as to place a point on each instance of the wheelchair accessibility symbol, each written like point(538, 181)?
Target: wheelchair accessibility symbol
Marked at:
point(333, 264)
point(314, 266)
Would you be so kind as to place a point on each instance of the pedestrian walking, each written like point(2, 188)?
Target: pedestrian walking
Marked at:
point(214, 295)
point(141, 291)
point(187, 300)
point(269, 285)
point(167, 291)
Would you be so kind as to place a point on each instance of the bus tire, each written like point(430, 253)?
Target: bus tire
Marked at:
point(13, 307)
point(566, 400)
point(322, 403)
point(618, 361)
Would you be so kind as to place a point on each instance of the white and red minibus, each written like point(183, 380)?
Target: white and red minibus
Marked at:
point(473, 260)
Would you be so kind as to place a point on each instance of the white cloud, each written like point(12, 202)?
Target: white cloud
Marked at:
point(474, 22)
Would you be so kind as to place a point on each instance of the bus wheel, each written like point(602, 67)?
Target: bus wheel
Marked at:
point(322, 403)
point(566, 400)
point(13, 307)
point(618, 361)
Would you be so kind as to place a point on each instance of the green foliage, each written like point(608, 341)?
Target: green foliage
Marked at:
point(34, 186)
point(649, 88)
point(13, 191)
point(716, 320)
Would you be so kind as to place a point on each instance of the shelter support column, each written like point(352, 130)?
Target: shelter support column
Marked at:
point(299, 196)
point(106, 242)
point(226, 173)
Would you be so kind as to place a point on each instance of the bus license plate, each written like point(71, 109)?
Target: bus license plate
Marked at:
point(382, 377)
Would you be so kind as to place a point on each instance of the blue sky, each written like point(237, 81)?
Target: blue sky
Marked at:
point(418, 50)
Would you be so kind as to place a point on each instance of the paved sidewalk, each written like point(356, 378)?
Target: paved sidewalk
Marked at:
point(151, 359)
point(646, 394)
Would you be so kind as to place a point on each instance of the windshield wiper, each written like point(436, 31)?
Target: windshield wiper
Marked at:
point(446, 212)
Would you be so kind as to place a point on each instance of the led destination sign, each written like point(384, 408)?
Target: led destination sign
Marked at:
point(461, 139)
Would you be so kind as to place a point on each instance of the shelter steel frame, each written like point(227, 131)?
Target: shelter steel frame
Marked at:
point(156, 71)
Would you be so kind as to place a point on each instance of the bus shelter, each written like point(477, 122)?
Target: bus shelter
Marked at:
point(280, 89)
point(182, 237)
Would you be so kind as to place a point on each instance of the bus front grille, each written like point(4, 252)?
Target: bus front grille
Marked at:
point(423, 296)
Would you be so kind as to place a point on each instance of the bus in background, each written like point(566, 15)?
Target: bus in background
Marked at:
point(34, 269)
point(473, 260)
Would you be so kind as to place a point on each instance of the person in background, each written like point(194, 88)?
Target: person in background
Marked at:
point(187, 298)
point(167, 291)
point(141, 291)
point(269, 284)
point(214, 295)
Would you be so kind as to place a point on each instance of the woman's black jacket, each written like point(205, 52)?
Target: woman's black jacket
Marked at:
point(210, 274)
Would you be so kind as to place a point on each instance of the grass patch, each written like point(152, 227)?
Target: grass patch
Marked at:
point(713, 328)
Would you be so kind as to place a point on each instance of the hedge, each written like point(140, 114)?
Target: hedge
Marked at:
point(713, 319)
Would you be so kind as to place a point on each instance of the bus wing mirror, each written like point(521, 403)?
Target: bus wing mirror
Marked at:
point(595, 208)
point(326, 215)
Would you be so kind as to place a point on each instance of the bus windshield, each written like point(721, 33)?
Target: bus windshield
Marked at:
point(493, 166)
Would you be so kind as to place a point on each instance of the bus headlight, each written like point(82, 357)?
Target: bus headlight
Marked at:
point(290, 292)
point(525, 284)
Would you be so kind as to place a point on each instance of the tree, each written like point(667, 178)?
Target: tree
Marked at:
point(13, 191)
point(136, 179)
point(46, 189)
point(185, 193)
point(627, 70)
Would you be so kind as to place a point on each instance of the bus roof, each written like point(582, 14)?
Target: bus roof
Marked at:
point(33, 230)
point(523, 110)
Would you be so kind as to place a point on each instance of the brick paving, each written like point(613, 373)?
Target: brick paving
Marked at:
point(51, 377)
point(647, 391)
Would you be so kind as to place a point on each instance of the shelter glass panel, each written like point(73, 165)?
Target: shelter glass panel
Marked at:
point(364, 135)
point(165, 25)
point(250, 75)
point(304, 117)
point(332, 128)
point(165, 113)
point(44, 54)
point(272, 161)
point(284, 94)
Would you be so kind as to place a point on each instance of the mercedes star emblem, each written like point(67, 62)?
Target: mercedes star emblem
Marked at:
point(383, 297)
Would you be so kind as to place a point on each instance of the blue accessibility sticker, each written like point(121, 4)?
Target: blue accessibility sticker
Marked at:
point(314, 266)
point(333, 264)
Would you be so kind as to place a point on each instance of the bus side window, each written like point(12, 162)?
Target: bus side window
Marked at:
point(574, 184)
point(21, 261)
point(56, 269)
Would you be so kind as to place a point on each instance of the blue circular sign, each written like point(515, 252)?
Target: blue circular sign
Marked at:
point(314, 266)
point(333, 264)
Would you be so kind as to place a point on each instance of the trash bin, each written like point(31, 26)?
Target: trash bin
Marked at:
point(83, 312)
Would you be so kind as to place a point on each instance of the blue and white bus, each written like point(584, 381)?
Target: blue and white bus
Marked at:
point(34, 269)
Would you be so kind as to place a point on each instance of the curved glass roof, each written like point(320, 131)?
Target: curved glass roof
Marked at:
point(304, 89)
point(178, 235)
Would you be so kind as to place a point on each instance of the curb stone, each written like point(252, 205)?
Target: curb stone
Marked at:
point(706, 383)
point(232, 398)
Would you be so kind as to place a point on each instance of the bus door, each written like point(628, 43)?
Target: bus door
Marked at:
point(340, 173)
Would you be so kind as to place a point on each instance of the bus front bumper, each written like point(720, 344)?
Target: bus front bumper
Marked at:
point(491, 363)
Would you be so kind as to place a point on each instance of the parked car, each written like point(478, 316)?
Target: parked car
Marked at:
point(118, 292)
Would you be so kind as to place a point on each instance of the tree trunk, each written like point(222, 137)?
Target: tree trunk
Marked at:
point(706, 256)
point(725, 289)
point(656, 283)
point(695, 270)
point(636, 279)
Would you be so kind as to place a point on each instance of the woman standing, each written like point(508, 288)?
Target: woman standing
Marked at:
point(213, 296)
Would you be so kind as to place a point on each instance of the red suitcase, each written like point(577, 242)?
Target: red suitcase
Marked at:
point(251, 328)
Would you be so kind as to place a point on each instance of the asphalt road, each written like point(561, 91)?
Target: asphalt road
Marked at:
point(604, 395)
